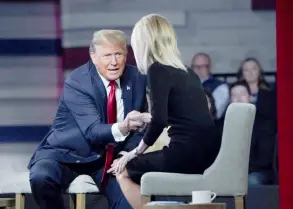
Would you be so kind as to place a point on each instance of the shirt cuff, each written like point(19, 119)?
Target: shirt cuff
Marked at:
point(118, 136)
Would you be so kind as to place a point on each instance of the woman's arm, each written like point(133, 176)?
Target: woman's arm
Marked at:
point(141, 148)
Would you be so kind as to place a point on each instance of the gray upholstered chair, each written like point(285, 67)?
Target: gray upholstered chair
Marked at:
point(227, 176)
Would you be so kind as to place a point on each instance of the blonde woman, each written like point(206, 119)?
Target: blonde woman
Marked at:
point(177, 100)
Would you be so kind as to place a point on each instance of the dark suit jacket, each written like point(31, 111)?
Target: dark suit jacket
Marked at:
point(264, 132)
point(80, 131)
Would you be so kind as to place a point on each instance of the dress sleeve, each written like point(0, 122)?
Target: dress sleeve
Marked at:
point(159, 84)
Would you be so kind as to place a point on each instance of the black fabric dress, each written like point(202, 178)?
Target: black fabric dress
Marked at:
point(177, 100)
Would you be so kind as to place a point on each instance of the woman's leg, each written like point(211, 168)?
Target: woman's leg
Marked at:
point(130, 178)
point(130, 190)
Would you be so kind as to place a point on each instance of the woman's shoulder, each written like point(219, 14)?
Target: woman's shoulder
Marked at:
point(157, 65)
point(165, 69)
point(157, 69)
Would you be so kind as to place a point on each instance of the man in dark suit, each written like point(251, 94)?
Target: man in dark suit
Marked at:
point(92, 124)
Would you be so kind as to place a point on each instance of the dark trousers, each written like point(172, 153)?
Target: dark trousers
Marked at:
point(49, 179)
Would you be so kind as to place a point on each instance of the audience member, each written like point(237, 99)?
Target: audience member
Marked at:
point(201, 65)
point(264, 132)
point(211, 104)
point(215, 144)
point(251, 71)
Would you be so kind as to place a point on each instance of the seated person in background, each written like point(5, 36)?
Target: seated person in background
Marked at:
point(215, 144)
point(177, 100)
point(263, 135)
point(201, 65)
point(212, 107)
point(211, 104)
point(251, 71)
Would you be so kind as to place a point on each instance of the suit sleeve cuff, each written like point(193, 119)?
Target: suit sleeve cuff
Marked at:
point(121, 153)
point(118, 136)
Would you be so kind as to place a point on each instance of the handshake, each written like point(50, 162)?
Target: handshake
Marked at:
point(134, 121)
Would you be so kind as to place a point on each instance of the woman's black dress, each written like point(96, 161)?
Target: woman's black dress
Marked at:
point(177, 100)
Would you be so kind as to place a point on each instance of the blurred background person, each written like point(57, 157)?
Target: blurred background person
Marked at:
point(201, 65)
point(251, 71)
point(263, 135)
point(215, 144)
point(211, 104)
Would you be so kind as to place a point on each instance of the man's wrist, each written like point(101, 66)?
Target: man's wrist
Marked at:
point(123, 128)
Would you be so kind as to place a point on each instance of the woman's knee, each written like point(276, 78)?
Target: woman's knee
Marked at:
point(123, 175)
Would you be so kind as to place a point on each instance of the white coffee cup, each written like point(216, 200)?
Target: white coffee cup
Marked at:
point(203, 197)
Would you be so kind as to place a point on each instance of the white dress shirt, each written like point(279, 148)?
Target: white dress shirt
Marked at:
point(222, 97)
point(118, 136)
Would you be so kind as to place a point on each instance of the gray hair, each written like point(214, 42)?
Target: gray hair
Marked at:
point(114, 37)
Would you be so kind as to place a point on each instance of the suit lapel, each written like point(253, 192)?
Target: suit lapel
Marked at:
point(126, 88)
point(100, 91)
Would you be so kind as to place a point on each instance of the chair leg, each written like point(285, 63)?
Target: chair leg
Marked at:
point(146, 199)
point(80, 201)
point(19, 201)
point(240, 202)
point(71, 201)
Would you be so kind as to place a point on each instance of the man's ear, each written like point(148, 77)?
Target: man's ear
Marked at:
point(93, 57)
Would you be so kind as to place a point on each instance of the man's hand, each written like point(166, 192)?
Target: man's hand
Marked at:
point(134, 121)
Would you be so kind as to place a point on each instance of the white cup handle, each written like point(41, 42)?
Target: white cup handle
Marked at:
point(214, 195)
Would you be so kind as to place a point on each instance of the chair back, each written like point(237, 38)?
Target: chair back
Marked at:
point(228, 175)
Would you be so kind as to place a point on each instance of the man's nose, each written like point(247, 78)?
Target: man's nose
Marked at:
point(113, 60)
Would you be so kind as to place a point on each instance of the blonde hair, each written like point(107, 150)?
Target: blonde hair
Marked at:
point(113, 37)
point(154, 39)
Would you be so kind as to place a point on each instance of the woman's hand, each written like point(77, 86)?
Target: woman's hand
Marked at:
point(118, 166)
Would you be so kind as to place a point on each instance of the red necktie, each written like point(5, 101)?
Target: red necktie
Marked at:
point(112, 114)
